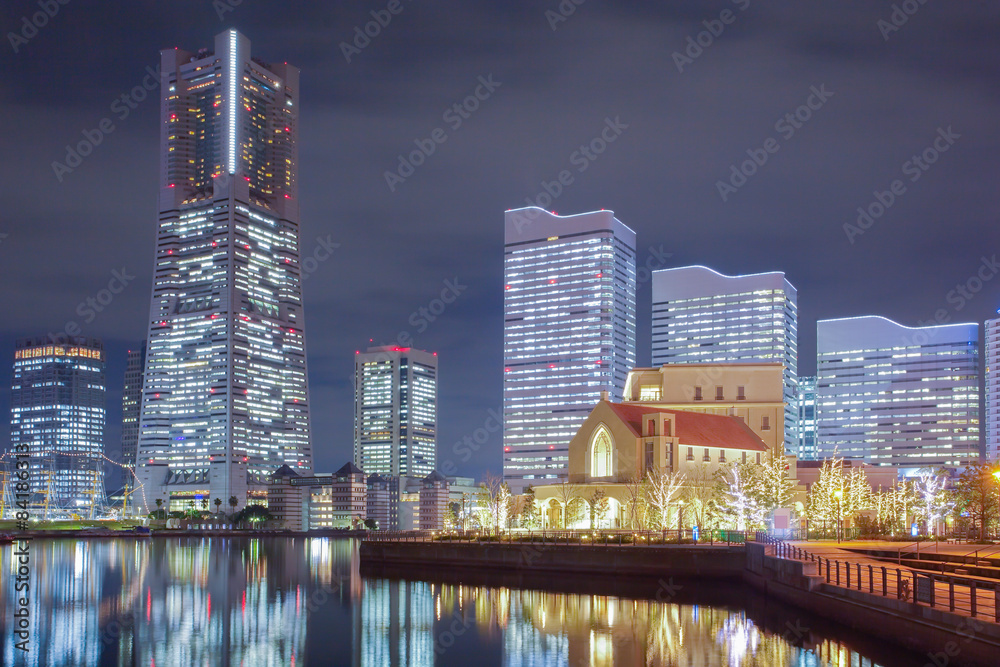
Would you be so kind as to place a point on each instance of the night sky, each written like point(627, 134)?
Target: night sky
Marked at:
point(881, 93)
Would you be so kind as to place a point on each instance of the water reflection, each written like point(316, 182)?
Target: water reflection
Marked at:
point(296, 601)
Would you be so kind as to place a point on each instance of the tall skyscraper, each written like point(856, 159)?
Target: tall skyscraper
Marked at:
point(569, 332)
point(131, 401)
point(896, 395)
point(993, 389)
point(225, 398)
point(395, 411)
point(702, 316)
point(58, 399)
point(806, 450)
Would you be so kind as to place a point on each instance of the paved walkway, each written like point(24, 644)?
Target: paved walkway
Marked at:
point(950, 592)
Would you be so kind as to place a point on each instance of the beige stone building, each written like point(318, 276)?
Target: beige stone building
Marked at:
point(753, 392)
point(620, 443)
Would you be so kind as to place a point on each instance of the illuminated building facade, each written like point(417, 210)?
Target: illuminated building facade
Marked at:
point(131, 401)
point(993, 389)
point(225, 395)
point(383, 501)
point(58, 396)
point(806, 450)
point(900, 396)
point(702, 316)
point(569, 332)
point(395, 411)
point(753, 392)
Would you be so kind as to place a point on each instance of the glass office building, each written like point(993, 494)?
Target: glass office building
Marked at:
point(395, 411)
point(131, 401)
point(225, 400)
point(806, 450)
point(58, 400)
point(569, 332)
point(702, 316)
point(895, 395)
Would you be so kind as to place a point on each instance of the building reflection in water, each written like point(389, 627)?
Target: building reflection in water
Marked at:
point(176, 602)
point(546, 628)
point(295, 601)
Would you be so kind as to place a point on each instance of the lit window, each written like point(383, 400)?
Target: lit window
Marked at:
point(600, 454)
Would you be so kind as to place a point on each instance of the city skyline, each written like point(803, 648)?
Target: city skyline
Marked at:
point(659, 173)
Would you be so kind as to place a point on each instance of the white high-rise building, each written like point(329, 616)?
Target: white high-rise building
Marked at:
point(993, 389)
point(225, 399)
point(898, 396)
point(395, 411)
point(702, 316)
point(569, 332)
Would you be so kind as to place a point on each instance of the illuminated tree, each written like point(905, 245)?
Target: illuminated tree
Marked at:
point(529, 510)
point(636, 510)
point(661, 491)
point(976, 494)
point(702, 498)
point(599, 506)
point(741, 495)
point(835, 495)
point(933, 502)
point(494, 503)
point(776, 485)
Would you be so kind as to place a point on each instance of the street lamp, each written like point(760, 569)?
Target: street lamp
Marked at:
point(839, 495)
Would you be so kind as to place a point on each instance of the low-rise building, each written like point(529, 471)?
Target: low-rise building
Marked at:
point(434, 499)
point(619, 444)
point(319, 501)
point(286, 499)
point(383, 501)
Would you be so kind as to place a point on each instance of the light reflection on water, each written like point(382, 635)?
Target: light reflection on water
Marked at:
point(302, 601)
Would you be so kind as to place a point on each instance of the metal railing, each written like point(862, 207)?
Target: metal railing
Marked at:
point(610, 537)
point(955, 593)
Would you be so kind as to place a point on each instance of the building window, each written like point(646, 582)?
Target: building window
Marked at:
point(744, 457)
point(758, 458)
point(741, 394)
point(722, 456)
point(666, 427)
point(765, 423)
point(718, 393)
point(690, 456)
point(649, 393)
point(649, 456)
point(706, 457)
point(600, 454)
point(697, 393)
point(651, 427)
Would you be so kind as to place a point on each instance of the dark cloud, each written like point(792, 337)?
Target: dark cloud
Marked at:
point(685, 130)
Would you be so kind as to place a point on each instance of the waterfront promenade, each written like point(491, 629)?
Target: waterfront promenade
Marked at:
point(948, 576)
